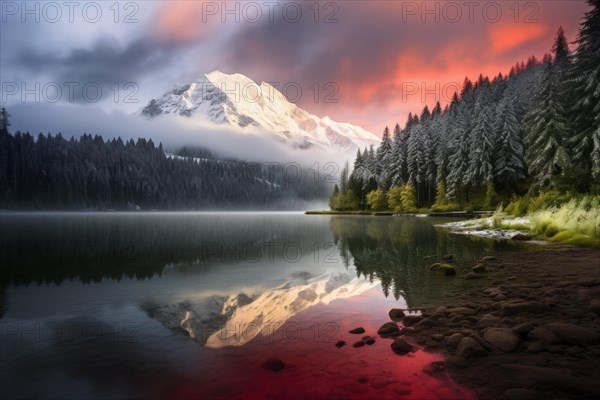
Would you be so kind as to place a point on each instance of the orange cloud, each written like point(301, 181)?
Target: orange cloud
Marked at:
point(182, 21)
point(509, 36)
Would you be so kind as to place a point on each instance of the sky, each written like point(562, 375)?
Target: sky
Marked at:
point(364, 62)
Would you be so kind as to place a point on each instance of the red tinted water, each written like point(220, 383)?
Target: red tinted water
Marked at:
point(315, 368)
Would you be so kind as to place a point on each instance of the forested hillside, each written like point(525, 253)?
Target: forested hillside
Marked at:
point(535, 129)
point(52, 172)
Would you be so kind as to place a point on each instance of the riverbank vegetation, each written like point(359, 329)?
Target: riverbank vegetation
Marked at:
point(527, 142)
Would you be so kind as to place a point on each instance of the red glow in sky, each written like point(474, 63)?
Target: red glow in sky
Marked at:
point(377, 52)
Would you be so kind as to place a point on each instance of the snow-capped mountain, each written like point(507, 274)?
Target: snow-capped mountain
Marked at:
point(238, 101)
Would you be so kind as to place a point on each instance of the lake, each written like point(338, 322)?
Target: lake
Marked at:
point(188, 305)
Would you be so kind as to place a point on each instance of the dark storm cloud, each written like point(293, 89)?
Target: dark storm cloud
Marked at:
point(105, 63)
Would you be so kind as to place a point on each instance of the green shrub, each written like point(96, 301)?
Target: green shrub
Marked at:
point(377, 200)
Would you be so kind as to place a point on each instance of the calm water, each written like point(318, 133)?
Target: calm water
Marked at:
point(188, 305)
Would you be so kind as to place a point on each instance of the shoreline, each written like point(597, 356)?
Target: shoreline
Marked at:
point(527, 325)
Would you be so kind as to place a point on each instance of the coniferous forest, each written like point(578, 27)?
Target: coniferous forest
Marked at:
point(89, 173)
point(532, 131)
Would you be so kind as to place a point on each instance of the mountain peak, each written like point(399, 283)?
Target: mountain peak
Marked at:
point(237, 100)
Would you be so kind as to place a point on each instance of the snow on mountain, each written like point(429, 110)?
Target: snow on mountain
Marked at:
point(235, 319)
point(238, 101)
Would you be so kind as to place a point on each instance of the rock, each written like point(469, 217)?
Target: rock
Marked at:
point(445, 269)
point(573, 335)
point(453, 340)
point(461, 310)
point(472, 275)
point(523, 328)
point(340, 344)
point(458, 362)
point(411, 320)
point(369, 341)
point(468, 347)
point(273, 364)
point(489, 258)
point(437, 336)
point(448, 257)
point(478, 269)
point(400, 346)
point(595, 306)
point(543, 336)
point(360, 343)
point(396, 313)
point(488, 320)
point(502, 338)
point(388, 328)
point(518, 307)
point(427, 323)
point(535, 348)
point(481, 341)
point(521, 236)
point(357, 331)
point(519, 394)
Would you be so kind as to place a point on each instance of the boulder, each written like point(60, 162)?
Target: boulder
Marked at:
point(388, 328)
point(453, 340)
point(357, 331)
point(273, 364)
point(502, 338)
point(488, 320)
point(543, 336)
point(523, 329)
point(445, 269)
point(468, 347)
point(401, 346)
point(478, 269)
point(535, 347)
point(427, 323)
point(573, 335)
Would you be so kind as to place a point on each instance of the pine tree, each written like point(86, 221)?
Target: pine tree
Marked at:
point(586, 91)
point(509, 166)
point(4, 121)
point(547, 137)
point(384, 158)
point(481, 139)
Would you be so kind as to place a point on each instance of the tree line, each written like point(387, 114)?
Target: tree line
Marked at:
point(90, 173)
point(535, 129)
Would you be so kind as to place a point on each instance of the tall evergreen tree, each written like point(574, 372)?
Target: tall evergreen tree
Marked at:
point(547, 138)
point(586, 92)
point(509, 165)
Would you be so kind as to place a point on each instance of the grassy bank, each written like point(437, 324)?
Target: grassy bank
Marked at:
point(563, 218)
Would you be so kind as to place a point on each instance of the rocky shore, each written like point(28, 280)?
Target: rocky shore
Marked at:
point(518, 325)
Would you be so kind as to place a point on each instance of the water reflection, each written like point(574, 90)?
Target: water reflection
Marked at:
point(398, 252)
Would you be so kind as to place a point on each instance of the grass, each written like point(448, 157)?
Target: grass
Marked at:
point(574, 222)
